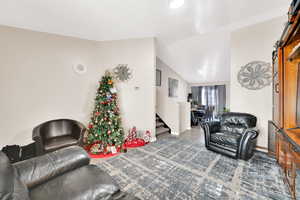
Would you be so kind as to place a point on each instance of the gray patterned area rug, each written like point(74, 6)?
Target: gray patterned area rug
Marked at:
point(178, 169)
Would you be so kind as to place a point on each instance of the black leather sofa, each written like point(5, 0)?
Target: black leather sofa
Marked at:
point(235, 135)
point(61, 175)
point(55, 134)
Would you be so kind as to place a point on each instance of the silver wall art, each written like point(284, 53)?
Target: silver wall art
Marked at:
point(255, 75)
point(122, 72)
point(173, 87)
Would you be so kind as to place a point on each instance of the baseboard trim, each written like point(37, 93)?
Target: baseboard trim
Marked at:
point(153, 139)
point(263, 149)
point(174, 133)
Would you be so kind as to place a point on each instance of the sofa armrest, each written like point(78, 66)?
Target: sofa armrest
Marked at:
point(208, 128)
point(247, 143)
point(38, 170)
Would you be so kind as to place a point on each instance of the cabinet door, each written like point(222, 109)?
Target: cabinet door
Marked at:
point(297, 175)
point(282, 151)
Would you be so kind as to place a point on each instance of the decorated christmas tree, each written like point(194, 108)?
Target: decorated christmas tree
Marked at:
point(104, 130)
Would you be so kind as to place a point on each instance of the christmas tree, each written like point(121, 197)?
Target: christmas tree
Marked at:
point(105, 126)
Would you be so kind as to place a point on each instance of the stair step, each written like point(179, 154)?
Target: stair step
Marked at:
point(161, 130)
point(159, 124)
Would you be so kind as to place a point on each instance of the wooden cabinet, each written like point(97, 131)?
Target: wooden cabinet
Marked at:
point(288, 158)
point(286, 102)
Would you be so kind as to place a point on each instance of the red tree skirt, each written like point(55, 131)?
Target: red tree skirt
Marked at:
point(102, 155)
point(135, 143)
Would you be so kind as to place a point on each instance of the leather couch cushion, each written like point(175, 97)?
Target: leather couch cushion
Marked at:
point(38, 170)
point(59, 142)
point(227, 139)
point(6, 180)
point(237, 122)
point(85, 183)
point(11, 188)
point(233, 128)
point(20, 190)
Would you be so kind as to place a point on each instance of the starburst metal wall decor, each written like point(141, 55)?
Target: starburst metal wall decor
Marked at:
point(122, 72)
point(255, 75)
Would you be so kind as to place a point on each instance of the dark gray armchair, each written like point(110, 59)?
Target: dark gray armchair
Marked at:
point(235, 135)
point(55, 134)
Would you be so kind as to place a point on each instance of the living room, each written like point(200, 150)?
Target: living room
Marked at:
point(139, 99)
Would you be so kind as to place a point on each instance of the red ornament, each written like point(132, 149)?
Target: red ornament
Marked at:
point(90, 126)
point(97, 113)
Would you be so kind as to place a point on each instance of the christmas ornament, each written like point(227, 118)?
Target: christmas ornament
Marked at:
point(110, 82)
point(109, 97)
point(113, 90)
point(97, 113)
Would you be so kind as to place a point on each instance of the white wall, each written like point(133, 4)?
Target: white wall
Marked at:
point(167, 72)
point(250, 44)
point(173, 110)
point(37, 82)
point(137, 96)
point(185, 116)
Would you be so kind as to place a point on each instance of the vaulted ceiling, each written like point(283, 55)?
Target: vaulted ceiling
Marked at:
point(194, 39)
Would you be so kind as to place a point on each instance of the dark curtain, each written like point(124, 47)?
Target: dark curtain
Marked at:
point(210, 96)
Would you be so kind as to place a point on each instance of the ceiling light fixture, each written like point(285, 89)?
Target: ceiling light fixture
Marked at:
point(176, 3)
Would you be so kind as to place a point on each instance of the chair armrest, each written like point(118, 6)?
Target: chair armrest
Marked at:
point(213, 126)
point(36, 133)
point(79, 135)
point(253, 132)
point(208, 128)
point(38, 170)
point(39, 144)
point(247, 142)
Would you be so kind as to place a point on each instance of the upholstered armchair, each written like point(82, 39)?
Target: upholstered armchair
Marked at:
point(56, 134)
point(235, 135)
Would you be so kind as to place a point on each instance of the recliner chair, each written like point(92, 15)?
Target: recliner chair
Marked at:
point(55, 134)
point(235, 135)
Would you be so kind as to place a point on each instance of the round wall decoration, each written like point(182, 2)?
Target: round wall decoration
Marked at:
point(80, 69)
point(122, 72)
point(255, 75)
